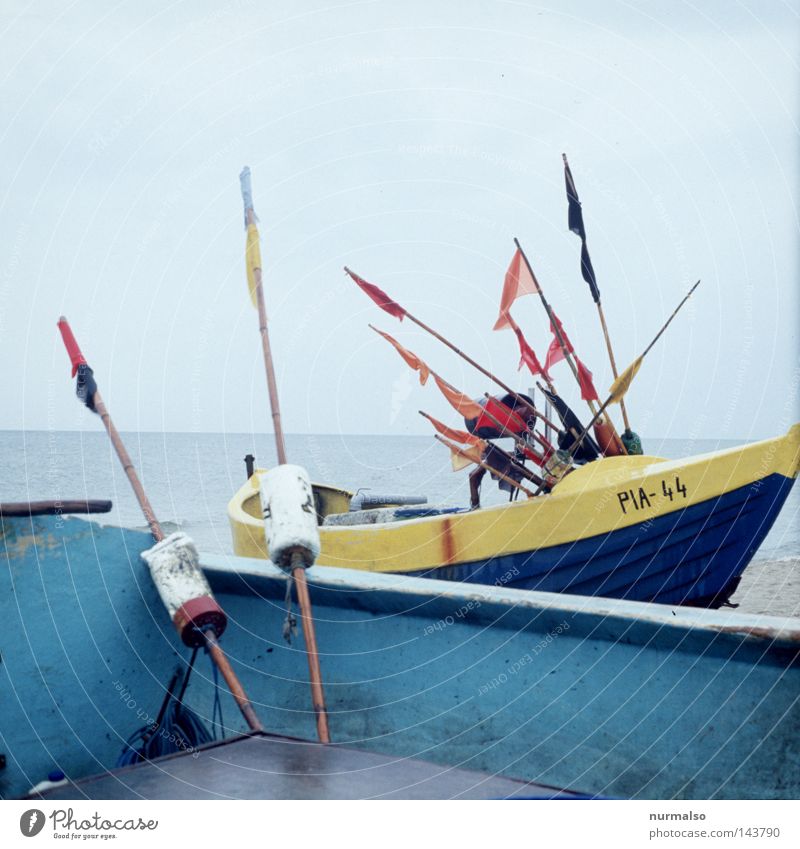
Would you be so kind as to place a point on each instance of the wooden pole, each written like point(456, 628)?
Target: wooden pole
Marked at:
point(562, 343)
point(298, 571)
point(461, 452)
point(613, 363)
point(641, 357)
point(214, 648)
point(272, 385)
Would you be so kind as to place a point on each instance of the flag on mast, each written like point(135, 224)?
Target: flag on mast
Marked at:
point(456, 435)
point(575, 223)
point(85, 387)
point(411, 359)
point(623, 383)
point(518, 282)
point(555, 352)
point(460, 402)
point(527, 356)
point(588, 392)
point(378, 296)
point(252, 257)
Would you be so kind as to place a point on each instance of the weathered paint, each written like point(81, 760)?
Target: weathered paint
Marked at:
point(599, 695)
point(631, 527)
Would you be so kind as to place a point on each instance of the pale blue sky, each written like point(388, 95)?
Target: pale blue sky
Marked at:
point(412, 142)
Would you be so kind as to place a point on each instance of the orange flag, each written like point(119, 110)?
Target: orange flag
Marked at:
point(458, 400)
point(411, 359)
point(456, 435)
point(519, 281)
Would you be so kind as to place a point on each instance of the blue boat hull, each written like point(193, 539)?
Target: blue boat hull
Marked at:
point(610, 697)
point(693, 556)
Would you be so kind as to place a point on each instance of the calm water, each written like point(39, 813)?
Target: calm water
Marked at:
point(190, 477)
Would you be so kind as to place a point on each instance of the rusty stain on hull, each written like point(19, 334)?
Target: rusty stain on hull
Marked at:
point(448, 543)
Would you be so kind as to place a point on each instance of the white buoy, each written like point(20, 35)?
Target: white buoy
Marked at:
point(175, 568)
point(290, 518)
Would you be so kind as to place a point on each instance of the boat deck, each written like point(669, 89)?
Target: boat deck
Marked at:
point(263, 766)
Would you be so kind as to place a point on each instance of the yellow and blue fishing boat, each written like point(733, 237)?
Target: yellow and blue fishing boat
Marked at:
point(634, 527)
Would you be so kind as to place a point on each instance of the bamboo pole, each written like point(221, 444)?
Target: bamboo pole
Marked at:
point(562, 343)
point(298, 571)
point(641, 357)
point(217, 654)
point(613, 363)
point(461, 452)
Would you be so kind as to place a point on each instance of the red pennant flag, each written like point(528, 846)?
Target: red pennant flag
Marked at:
point(378, 296)
point(411, 359)
point(554, 352)
point(458, 401)
point(526, 353)
point(519, 281)
point(588, 392)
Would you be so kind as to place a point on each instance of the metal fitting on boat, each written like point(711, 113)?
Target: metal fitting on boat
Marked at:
point(290, 518)
point(183, 588)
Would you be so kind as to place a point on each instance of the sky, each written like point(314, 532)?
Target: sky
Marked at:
point(412, 142)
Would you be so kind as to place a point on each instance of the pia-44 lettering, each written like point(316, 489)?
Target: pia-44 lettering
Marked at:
point(643, 497)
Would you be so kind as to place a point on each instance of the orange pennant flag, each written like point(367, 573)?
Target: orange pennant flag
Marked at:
point(519, 281)
point(458, 400)
point(411, 359)
point(456, 435)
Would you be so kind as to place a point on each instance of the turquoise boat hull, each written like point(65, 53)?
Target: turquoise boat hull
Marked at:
point(603, 696)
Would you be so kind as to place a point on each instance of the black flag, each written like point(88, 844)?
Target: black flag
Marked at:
point(85, 387)
point(588, 449)
point(575, 222)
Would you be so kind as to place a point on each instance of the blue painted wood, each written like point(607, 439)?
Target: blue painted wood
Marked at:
point(605, 696)
point(680, 557)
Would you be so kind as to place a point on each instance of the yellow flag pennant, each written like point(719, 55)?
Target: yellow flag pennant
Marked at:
point(460, 458)
point(623, 383)
point(252, 260)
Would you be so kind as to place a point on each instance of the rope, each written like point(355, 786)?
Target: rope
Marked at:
point(290, 623)
point(176, 729)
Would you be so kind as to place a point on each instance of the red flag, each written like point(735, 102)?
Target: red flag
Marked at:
point(458, 401)
point(378, 296)
point(73, 351)
point(411, 359)
point(526, 353)
point(519, 281)
point(588, 392)
point(554, 352)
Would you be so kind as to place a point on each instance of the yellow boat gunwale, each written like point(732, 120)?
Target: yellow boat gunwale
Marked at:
point(589, 502)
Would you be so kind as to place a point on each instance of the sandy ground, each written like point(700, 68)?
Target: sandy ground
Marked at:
point(771, 587)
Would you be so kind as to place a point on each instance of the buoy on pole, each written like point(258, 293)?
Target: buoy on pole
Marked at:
point(299, 560)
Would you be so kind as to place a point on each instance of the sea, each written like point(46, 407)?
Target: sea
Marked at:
point(190, 477)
